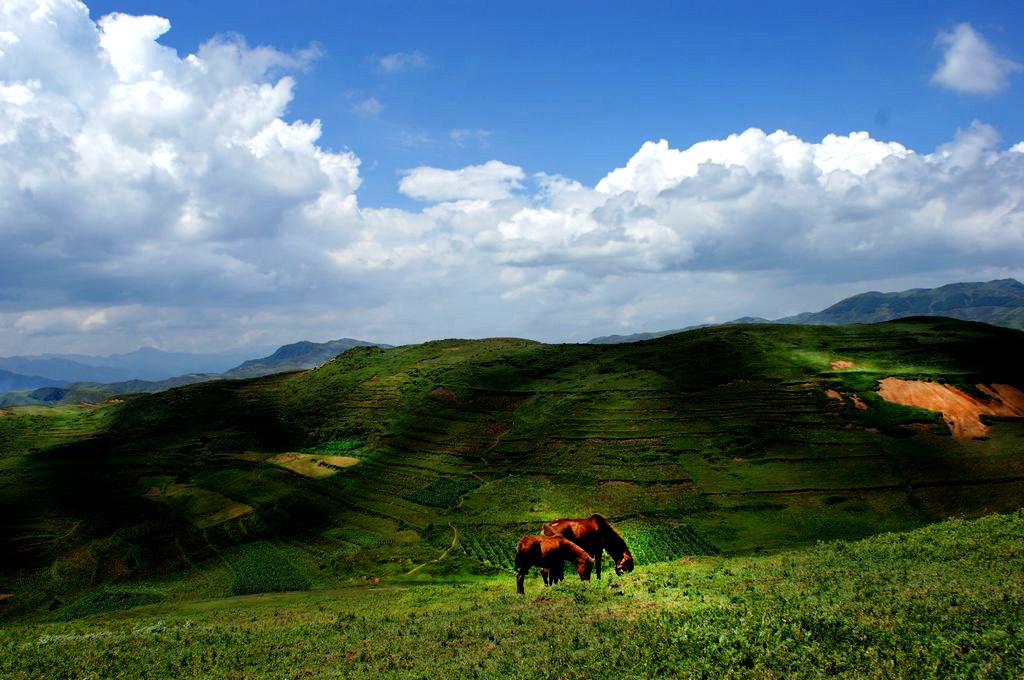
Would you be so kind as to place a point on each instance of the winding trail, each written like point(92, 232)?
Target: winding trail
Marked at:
point(455, 539)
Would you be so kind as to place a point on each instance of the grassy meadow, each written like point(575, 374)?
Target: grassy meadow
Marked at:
point(345, 517)
point(943, 601)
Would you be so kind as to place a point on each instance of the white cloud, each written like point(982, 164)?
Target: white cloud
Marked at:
point(152, 198)
point(369, 107)
point(491, 181)
point(970, 65)
point(399, 62)
point(131, 153)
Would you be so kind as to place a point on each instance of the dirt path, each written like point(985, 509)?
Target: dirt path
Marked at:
point(455, 539)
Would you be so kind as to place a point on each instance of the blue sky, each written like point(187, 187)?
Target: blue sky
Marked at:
point(197, 175)
point(576, 87)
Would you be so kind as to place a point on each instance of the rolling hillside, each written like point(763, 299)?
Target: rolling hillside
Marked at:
point(432, 459)
point(1000, 303)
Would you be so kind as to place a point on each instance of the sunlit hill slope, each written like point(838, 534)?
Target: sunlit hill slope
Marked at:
point(734, 440)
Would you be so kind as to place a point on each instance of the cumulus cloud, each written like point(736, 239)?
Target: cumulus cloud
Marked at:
point(970, 65)
point(399, 62)
point(491, 181)
point(152, 198)
point(137, 172)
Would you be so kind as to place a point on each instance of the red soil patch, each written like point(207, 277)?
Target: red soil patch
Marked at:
point(495, 428)
point(858, 402)
point(840, 364)
point(497, 402)
point(444, 394)
point(832, 394)
point(961, 411)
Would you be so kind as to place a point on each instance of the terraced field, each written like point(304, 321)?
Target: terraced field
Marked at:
point(723, 440)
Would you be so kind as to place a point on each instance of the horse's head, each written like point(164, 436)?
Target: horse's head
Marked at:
point(584, 568)
point(624, 564)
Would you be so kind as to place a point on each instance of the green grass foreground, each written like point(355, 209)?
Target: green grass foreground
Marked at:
point(946, 600)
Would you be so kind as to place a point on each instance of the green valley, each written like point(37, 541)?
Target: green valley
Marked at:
point(390, 485)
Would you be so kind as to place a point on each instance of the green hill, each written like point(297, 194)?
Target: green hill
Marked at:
point(721, 440)
point(1000, 303)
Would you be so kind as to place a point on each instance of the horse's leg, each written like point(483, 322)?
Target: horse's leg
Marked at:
point(544, 574)
point(597, 563)
point(520, 577)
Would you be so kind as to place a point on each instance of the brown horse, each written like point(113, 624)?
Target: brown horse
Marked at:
point(550, 554)
point(595, 535)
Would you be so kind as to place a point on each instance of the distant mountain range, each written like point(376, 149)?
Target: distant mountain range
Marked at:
point(14, 381)
point(146, 363)
point(35, 390)
point(1000, 303)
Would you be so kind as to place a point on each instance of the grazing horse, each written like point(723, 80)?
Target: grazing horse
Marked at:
point(550, 554)
point(595, 535)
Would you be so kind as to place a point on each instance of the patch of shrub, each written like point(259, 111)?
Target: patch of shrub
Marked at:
point(105, 601)
point(442, 492)
point(259, 567)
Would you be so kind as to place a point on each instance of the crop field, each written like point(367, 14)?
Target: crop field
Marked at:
point(664, 544)
point(259, 567)
point(719, 442)
point(442, 492)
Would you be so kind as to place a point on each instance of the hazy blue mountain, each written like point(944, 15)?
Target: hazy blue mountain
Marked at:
point(296, 356)
point(1000, 303)
point(15, 381)
point(146, 363)
point(292, 357)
